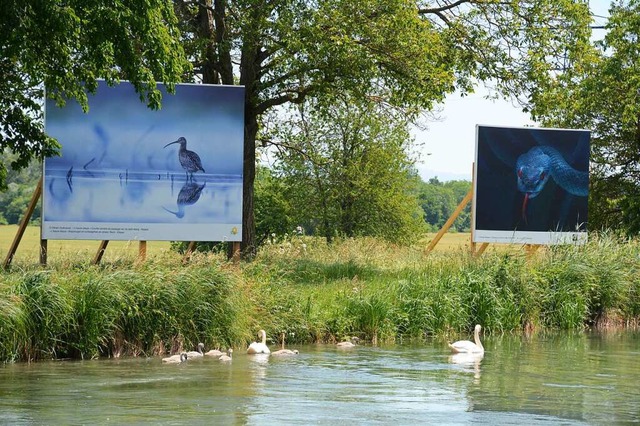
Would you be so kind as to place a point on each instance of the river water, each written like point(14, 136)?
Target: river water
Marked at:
point(583, 378)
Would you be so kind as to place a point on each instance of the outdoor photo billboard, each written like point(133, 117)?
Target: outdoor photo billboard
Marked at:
point(531, 185)
point(127, 172)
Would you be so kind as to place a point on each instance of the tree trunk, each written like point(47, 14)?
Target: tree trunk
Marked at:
point(249, 66)
point(206, 32)
point(249, 171)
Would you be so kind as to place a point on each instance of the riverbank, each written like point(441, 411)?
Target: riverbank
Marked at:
point(312, 293)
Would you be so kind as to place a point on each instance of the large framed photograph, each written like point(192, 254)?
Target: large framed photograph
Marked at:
point(531, 185)
point(131, 173)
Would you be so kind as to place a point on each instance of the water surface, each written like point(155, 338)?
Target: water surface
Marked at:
point(553, 379)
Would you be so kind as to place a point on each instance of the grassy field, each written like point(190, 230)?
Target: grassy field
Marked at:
point(28, 250)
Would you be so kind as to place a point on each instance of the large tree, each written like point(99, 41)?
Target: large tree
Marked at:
point(65, 46)
point(600, 91)
point(347, 169)
point(404, 53)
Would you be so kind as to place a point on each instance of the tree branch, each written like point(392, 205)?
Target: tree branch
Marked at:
point(293, 96)
point(446, 7)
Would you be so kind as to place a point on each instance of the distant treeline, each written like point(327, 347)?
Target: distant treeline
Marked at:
point(440, 199)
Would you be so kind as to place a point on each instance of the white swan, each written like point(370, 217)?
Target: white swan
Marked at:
point(259, 347)
point(227, 357)
point(283, 351)
point(176, 359)
point(348, 344)
point(197, 354)
point(465, 346)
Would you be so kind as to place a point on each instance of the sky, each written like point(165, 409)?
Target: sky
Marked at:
point(447, 146)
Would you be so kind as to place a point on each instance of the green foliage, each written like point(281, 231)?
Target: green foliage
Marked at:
point(440, 199)
point(273, 210)
point(44, 317)
point(91, 313)
point(347, 170)
point(363, 287)
point(599, 91)
point(94, 317)
point(19, 190)
point(65, 47)
point(404, 55)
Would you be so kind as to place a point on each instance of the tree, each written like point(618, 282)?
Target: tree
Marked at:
point(408, 54)
point(600, 91)
point(440, 199)
point(274, 214)
point(65, 47)
point(20, 186)
point(347, 171)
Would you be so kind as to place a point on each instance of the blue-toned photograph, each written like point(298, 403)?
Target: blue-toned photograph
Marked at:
point(531, 179)
point(130, 172)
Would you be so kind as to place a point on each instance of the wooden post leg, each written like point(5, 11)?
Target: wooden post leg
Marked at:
point(235, 252)
point(472, 243)
point(531, 249)
point(481, 249)
point(43, 252)
point(142, 251)
point(98, 257)
point(23, 225)
point(190, 249)
point(449, 221)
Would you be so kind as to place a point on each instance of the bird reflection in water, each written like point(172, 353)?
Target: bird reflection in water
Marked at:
point(188, 196)
point(469, 361)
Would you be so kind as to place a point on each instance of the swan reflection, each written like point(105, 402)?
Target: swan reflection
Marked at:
point(470, 361)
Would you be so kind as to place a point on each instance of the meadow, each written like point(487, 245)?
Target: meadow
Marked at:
point(307, 290)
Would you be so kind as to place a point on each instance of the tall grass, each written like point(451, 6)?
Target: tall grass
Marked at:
point(312, 292)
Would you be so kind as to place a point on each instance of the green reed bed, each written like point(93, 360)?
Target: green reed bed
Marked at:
point(313, 293)
point(91, 312)
point(382, 292)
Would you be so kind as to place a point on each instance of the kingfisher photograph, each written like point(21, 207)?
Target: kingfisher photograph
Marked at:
point(130, 172)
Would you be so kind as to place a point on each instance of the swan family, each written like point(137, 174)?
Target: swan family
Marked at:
point(260, 347)
point(254, 348)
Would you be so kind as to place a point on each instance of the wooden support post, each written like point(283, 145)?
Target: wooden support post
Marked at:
point(531, 249)
point(481, 249)
point(190, 249)
point(450, 221)
point(235, 252)
point(142, 251)
point(43, 252)
point(23, 224)
point(98, 257)
point(472, 244)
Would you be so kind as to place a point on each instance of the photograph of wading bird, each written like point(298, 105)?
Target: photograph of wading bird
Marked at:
point(189, 160)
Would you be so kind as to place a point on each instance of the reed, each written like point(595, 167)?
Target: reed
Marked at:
point(312, 292)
